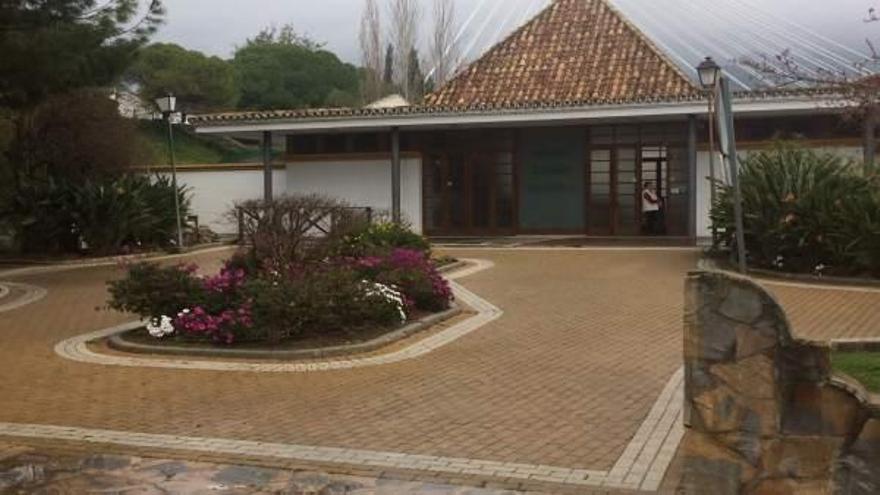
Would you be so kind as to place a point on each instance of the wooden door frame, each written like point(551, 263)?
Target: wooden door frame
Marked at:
point(471, 161)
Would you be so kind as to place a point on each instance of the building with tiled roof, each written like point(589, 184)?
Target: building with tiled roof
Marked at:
point(555, 130)
point(575, 50)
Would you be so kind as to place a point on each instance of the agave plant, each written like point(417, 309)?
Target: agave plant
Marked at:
point(105, 214)
point(804, 212)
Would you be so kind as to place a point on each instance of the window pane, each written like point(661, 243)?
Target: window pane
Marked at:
point(600, 189)
point(603, 155)
point(600, 167)
point(626, 154)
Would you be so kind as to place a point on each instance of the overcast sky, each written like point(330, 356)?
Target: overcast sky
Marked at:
point(820, 29)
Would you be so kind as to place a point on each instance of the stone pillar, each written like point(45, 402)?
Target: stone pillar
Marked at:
point(765, 414)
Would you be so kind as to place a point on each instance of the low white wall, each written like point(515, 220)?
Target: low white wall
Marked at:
point(361, 183)
point(215, 192)
point(704, 224)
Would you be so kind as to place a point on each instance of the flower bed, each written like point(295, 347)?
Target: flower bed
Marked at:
point(349, 296)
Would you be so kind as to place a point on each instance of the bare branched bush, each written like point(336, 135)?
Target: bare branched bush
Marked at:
point(291, 231)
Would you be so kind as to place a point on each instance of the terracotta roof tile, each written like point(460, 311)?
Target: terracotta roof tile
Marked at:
point(575, 50)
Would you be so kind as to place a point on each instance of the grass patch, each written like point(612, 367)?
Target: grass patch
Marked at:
point(190, 148)
point(863, 366)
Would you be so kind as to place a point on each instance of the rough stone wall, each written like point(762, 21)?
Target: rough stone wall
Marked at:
point(765, 414)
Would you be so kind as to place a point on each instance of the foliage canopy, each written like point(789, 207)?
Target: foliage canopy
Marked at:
point(282, 69)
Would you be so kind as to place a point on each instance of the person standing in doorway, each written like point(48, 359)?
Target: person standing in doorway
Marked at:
point(651, 209)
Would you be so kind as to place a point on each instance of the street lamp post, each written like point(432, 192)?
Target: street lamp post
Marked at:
point(709, 72)
point(711, 76)
point(167, 105)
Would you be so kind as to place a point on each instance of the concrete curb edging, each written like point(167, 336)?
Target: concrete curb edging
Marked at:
point(77, 349)
point(867, 344)
point(31, 270)
point(94, 260)
point(119, 343)
point(797, 278)
point(454, 266)
point(32, 294)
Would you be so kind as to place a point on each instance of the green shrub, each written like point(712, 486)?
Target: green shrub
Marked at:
point(804, 212)
point(108, 214)
point(413, 273)
point(234, 306)
point(333, 299)
point(150, 290)
point(381, 238)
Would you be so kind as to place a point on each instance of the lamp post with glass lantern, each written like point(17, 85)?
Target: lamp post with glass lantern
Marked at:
point(712, 76)
point(709, 72)
point(167, 105)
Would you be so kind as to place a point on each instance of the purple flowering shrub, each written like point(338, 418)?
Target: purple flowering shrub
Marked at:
point(413, 273)
point(215, 308)
point(223, 314)
point(256, 299)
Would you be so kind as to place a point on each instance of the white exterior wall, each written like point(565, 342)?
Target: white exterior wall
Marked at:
point(704, 225)
point(215, 192)
point(361, 183)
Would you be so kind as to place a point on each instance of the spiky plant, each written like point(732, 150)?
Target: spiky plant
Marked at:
point(805, 212)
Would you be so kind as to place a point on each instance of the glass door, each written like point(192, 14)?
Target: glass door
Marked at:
point(470, 194)
point(627, 191)
point(599, 203)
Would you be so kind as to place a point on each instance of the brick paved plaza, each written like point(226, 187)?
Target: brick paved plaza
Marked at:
point(588, 341)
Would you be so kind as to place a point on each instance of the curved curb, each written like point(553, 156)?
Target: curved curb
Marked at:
point(120, 343)
point(76, 348)
point(797, 281)
point(97, 262)
point(845, 344)
point(32, 294)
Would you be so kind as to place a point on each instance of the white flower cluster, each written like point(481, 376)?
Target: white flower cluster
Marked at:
point(160, 327)
point(375, 289)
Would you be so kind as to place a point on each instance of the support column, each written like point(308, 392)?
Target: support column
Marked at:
point(395, 175)
point(267, 166)
point(692, 176)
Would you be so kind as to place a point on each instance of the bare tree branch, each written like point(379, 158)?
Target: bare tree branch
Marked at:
point(371, 51)
point(445, 52)
point(405, 16)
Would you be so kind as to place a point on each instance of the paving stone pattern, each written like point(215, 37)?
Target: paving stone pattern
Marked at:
point(547, 383)
point(563, 378)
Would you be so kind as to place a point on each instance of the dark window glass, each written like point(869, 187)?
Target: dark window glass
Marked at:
point(335, 143)
point(305, 144)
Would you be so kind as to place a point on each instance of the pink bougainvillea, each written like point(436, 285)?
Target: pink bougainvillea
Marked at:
point(410, 271)
point(219, 327)
point(227, 281)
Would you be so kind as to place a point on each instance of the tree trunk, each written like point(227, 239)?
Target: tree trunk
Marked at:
point(870, 144)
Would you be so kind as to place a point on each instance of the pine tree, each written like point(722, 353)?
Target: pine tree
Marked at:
point(415, 78)
point(388, 79)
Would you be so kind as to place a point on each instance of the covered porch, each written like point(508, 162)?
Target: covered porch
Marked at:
point(453, 173)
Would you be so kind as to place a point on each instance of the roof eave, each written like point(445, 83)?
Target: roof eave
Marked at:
point(513, 116)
